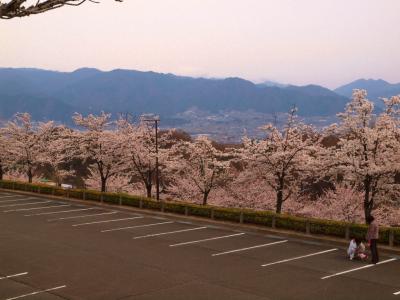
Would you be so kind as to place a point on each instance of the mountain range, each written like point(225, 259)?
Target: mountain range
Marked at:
point(375, 88)
point(52, 95)
point(57, 95)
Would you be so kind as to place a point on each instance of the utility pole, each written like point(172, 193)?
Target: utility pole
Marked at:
point(156, 120)
point(157, 174)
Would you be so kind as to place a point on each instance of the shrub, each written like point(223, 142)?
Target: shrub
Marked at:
point(78, 194)
point(150, 204)
point(328, 227)
point(227, 214)
point(111, 198)
point(174, 207)
point(396, 241)
point(60, 192)
point(199, 210)
point(130, 200)
point(290, 222)
point(258, 217)
point(358, 231)
point(93, 195)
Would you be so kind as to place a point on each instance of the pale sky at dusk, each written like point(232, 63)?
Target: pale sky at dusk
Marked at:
point(326, 42)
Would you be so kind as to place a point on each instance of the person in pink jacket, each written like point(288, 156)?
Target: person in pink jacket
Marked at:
point(372, 238)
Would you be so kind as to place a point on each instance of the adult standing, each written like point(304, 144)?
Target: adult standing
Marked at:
point(372, 238)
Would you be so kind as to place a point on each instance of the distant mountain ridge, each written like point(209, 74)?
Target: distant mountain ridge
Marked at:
point(56, 95)
point(376, 89)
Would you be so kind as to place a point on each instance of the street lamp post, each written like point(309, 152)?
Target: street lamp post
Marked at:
point(156, 120)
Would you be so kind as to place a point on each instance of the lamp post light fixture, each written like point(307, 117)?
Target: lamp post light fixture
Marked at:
point(156, 120)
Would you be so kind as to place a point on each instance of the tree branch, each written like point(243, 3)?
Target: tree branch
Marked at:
point(16, 8)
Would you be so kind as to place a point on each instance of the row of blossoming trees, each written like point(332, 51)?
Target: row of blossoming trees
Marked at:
point(347, 171)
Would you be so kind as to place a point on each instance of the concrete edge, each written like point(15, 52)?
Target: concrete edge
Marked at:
point(253, 228)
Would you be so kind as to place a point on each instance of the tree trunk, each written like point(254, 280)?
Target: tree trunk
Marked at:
point(103, 184)
point(279, 201)
point(279, 196)
point(368, 203)
point(148, 189)
point(1, 172)
point(148, 183)
point(205, 197)
point(30, 175)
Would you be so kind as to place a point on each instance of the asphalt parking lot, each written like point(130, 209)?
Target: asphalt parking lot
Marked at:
point(53, 249)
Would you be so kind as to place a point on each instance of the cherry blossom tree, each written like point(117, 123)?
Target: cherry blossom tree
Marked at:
point(59, 153)
point(27, 140)
point(3, 154)
point(99, 145)
point(281, 158)
point(196, 168)
point(367, 153)
point(247, 189)
point(139, 152)
point(10, 9)
point(343, 203)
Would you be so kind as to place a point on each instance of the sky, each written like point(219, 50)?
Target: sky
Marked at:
point(325, 42)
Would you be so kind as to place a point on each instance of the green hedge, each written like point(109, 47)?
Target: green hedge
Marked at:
point(265, 218)
point(327, 227)
point(227, 214)
point(110, 198)
point(397, 237)
point(130, 200)
point(290, 222)
point(258, 217)
point(174, 207)
point(151, 204)
point(199, 210)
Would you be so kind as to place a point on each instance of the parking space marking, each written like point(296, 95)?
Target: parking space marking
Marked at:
point(397, 293)
point(36, 208)
point(17, 200)
point(359, 268)
point(83, 216)
point(249, 248)
point(159, 218)
point(22, 204)
point(205, 240)
point(170, 232)
point(60, 212)
point(298, 257)
point(107, 221)
point(37, 292)
point(8, 196)
point(14, 275)
point(137, 226)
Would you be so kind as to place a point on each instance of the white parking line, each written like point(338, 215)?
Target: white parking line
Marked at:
point(36, 208)
point(360, 268)
point(37, 292)
point(107, 221)
point(205, 240)
point(249, 248)
point(22, 204)
point(298, 257)
point(60, 212)
point(11, 196)
point(14, 275)
point(17, 200)
point(397, 293)
point(8, 196)
point(137, 226)
point(83, 216)
point(170, 232)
